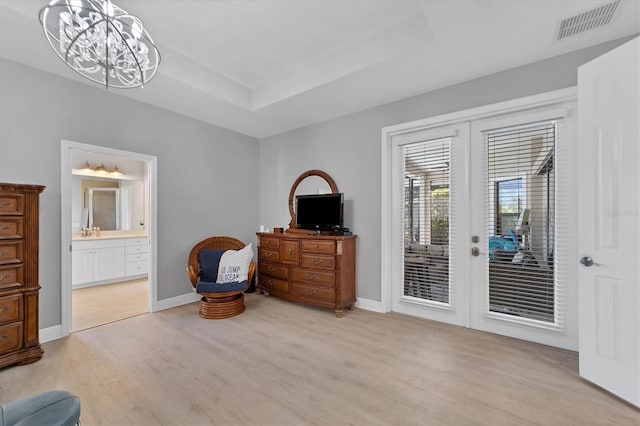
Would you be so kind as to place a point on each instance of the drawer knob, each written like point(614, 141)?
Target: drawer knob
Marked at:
point(316, 261)
point(315, 246)
point(270, 282)
point(4, 252)
point(271, 269)
point(4, 309)
point(311, 292)
point(3, 227)
point(4, 276)
point(3, 338)
point(289, 251)
point(312, 276)
point(4, 204)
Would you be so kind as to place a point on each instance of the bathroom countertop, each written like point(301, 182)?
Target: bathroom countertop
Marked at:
point(105, 235)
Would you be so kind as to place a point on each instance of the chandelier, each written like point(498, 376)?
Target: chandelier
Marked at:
point(101, 42)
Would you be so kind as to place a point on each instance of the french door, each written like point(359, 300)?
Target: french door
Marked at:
point(481, 232)
point(521, 226)
point(429, 174)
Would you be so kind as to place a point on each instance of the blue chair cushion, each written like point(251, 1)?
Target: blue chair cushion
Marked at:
point(209, 261)
point(54, 408)
point(213, 287)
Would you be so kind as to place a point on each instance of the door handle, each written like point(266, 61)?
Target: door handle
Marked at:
point(587, 261)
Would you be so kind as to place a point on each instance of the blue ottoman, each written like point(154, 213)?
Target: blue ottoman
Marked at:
point(54, 408)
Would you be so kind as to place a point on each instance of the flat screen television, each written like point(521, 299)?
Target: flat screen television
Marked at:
point(322, 212)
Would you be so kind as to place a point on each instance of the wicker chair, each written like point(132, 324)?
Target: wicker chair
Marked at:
point(223, 304)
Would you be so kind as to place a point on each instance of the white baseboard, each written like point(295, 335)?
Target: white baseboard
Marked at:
point(369, 305)
point(172, 302)
point(50, 333)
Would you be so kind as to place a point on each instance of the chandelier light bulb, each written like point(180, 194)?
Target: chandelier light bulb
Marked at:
point(101, 42)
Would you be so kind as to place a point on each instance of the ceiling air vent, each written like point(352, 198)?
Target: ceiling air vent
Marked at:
point(587, 20)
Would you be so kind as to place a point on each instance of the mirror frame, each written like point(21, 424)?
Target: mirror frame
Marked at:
point(294, 187)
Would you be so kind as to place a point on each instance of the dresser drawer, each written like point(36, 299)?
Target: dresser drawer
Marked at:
point(289, 252)
point(319, 246)
point(270, 283)
point(318, 261)
point(269, 242)
point(10, 337)
point(11, 276)
point(10, 308)
point(10, 252)
point(309, 291)
point(327, 279)
point(278, 271)
point(11, 227)
point(269, 255)
point(11, 204)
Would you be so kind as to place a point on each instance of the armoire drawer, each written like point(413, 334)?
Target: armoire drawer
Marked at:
point(11, 252)
point(10, 337)
point(10, 308)
point(11, 276)
point(11, 227)
point(11, 204)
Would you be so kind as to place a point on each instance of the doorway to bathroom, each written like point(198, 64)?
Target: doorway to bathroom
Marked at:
point(108, 217)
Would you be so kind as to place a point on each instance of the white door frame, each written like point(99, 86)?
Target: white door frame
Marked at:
point(65, 226)
point(390, 263)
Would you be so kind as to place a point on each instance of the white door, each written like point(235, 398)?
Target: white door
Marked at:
point(609, 277)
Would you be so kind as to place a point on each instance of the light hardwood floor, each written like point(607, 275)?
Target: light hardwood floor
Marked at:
point(102, 304)
point(281, 363)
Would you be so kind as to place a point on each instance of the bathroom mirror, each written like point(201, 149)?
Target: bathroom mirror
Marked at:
point(309, 182)
point(103, 205)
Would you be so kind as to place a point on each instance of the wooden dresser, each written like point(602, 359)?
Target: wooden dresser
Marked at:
point(315, 269)
point(19, 285)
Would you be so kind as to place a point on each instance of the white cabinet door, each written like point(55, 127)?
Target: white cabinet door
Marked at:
point(108, 263)
point(609, 228)
point(82, 268)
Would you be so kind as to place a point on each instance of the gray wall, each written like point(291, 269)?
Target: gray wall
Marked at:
point(206, 175)
point(349, 148)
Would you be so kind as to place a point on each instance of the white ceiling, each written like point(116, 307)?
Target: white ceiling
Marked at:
point(262, 67)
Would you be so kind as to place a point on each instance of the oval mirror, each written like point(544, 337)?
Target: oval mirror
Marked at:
point(310, 182)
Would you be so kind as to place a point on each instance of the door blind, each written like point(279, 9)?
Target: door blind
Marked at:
point(426, 220)
point(520, 206)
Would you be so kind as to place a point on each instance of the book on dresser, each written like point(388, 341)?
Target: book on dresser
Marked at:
point(315, 269)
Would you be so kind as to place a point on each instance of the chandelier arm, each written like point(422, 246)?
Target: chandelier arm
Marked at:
point(106, 50)
point(80, 33)
point(135, 57)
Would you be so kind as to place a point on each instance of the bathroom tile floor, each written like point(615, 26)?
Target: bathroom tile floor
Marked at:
point(98, 305)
